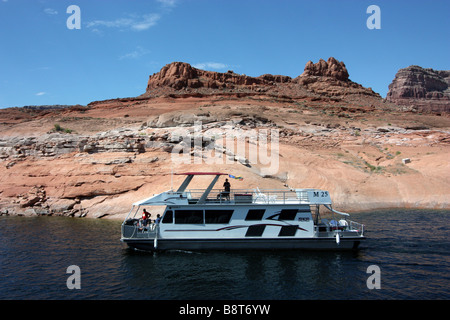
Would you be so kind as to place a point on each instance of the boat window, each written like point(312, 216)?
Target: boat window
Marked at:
point(287, 231)
point(255, 214)
point(287, 214)
point(189, 216)
point(218, 216)
point(255, 231)
point(168, 217)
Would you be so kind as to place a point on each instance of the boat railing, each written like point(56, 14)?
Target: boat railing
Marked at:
point(135, 230)
point(359, 227)
point(237, 196)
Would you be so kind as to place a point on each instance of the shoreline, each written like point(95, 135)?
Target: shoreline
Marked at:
point(118, 217)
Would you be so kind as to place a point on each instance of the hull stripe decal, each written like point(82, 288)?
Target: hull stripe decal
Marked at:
point(232, 228)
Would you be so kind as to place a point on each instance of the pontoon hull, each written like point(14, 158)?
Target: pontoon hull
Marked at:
point(245, 244)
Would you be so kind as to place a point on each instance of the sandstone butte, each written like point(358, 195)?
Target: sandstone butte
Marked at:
point(94, 161)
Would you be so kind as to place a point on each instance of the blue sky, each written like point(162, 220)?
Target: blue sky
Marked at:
point(121, 43)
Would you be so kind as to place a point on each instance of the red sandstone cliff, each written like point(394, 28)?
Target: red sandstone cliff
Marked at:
point(179, 75)
point(329, 78)
point(420, 89)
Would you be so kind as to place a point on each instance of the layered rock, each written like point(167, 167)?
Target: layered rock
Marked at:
point(331, 78)
point(180, 75)
point(55, 144)
point(420, 89)
point(331, 68)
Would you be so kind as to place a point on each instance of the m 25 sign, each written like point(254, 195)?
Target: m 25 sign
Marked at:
point(319, 196)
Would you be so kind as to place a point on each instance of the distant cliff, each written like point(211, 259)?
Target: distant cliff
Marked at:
point(325, 78)
point(420, 89)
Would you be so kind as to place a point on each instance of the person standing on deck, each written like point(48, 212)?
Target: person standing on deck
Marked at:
point(145, 216)
point(227, 188)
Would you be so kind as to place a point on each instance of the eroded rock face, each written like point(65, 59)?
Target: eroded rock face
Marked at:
point(331, 68)
point(331, 78)
point(179, 75)
point(423, 90)
point(55, 144)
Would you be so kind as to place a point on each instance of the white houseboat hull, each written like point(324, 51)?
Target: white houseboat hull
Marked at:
point(245, 244)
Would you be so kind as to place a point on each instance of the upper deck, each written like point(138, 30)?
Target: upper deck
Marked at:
point(239, 197)
point(210, 196)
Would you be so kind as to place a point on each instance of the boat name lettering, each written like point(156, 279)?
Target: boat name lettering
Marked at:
point(320, 193)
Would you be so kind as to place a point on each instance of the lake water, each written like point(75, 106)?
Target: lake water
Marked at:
point(410, 247)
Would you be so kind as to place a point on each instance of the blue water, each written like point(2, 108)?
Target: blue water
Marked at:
point(411, 248)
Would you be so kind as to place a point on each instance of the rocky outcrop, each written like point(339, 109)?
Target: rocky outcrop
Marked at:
point(421, 90)
point(275, 78)
point(331, 68)
point(331, 78)
point(56, 144)
point(181, 75)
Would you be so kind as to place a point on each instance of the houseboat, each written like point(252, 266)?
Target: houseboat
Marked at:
point(211, 219)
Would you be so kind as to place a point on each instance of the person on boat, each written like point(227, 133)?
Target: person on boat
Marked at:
point(225, 194)
point(158, 218)
point(227, 188)
point(145, 216)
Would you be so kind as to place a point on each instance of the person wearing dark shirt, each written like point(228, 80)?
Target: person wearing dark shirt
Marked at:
point(227, 186)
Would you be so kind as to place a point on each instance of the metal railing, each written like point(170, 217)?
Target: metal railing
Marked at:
point(359, 227)
point(137, 231)
point(243, 196)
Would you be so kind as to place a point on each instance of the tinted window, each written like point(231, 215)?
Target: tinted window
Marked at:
point(189, 216)
point(218, 216)
point(287, 231)
point(168, 217)
point(287, 214)
point(255, 231)
point(255, 214)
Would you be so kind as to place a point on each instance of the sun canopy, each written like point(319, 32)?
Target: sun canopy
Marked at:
point(153, 201)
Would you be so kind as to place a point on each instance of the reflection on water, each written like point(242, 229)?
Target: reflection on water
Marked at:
point(410, 247)
point(232, 275)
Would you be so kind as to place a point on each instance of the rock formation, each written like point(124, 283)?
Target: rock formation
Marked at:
point(420, 89)
point(55, 144)
point(331, 78)
point(328, 78)
point(331, 68)
point(180, 75)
